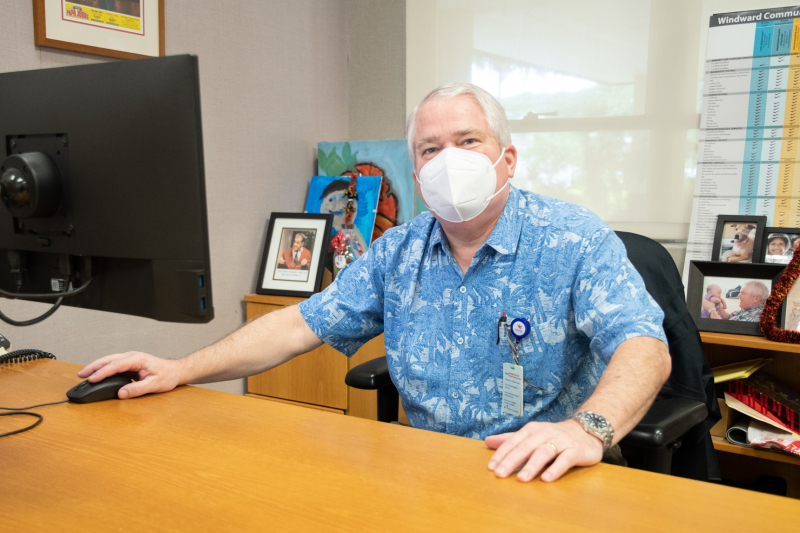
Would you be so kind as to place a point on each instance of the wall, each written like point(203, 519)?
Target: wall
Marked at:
point(273, 84)
point(377, 69)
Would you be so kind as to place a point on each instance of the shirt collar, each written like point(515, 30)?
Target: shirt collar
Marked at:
point(505, 235)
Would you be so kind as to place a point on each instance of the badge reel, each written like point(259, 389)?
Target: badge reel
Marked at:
point(518, 330)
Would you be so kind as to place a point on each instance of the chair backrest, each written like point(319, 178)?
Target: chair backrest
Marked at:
point(691, 375)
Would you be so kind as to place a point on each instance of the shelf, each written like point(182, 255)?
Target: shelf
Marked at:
point(273, 300)
point(748, 341)
point(722, 445)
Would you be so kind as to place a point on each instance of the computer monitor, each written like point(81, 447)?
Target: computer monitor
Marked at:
point(102, 179)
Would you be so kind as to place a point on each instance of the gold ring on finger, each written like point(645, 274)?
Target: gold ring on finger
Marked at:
point(555, 448)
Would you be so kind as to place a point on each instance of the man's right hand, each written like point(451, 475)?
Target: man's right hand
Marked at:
point(155, 374)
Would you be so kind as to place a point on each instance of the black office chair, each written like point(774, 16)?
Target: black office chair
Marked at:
point(673, 437)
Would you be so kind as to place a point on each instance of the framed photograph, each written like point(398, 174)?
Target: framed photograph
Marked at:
point(780, 244)
point(293, 260)
point(738, 239)
point(790, 316)
point(729, 298)
point(125, 29)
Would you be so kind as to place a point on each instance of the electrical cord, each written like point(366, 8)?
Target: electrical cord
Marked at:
point(32, 321)
point(46, 295)
point(22, 413)
point(36, 320)
point(21, 356)
point(30, 406)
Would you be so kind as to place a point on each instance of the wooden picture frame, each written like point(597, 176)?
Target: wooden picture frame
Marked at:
point(82, 26)
point(730, 278)
point(727, 249)
point(282, 272)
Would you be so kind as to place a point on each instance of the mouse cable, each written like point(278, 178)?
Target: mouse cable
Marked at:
point(19, 356)
point(30, 406)
point(18, 411)
point(22, 413)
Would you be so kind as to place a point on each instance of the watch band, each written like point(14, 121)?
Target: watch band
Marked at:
point(596, 425)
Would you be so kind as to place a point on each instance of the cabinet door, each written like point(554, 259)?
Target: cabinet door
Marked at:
point(316, 377)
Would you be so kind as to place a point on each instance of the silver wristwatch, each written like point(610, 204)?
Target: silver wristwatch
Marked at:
point(598, 426)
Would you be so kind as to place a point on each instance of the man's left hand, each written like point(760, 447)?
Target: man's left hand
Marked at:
point(537, 444)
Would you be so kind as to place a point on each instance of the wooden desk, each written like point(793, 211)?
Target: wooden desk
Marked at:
point(201, 460)
point(314, 379)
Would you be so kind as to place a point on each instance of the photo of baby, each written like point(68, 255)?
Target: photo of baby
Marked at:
point(737, 299)
point(781, 244)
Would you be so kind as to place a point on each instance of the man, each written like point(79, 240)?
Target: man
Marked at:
point(585, 332)
point(297, 256)
point(752, 298)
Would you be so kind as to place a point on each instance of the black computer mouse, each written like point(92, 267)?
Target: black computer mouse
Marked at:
point(105, 389)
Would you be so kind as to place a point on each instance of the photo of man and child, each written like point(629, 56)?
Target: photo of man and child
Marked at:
point(781, 247)
point(735, 299)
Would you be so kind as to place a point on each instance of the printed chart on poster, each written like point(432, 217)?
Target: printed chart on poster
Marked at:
point(750, 127)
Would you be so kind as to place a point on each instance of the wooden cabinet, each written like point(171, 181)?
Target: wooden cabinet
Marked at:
point(747, 464)
point(315, 379)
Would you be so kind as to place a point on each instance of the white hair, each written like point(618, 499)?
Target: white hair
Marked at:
point(495, 114)
point(756, 288)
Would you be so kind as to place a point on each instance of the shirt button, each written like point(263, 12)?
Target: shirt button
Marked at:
point(455, 395)
point(463, 289)
point(460, 340)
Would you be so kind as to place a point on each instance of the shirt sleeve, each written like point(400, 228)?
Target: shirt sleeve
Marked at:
point(350, 311)
point(609, 297)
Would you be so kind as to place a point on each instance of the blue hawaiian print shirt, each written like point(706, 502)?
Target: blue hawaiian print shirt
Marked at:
point(555, 264)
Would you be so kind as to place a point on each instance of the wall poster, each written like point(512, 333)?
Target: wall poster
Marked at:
point(750, 126)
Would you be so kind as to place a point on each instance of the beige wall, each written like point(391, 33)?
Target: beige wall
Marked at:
point(273, 84)
point(377, 69)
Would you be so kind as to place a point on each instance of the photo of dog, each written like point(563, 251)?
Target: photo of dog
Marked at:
point(737, 243)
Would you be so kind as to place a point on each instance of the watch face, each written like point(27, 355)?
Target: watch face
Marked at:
point(596, 420)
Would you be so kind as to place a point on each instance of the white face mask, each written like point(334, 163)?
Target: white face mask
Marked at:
point(459, 184)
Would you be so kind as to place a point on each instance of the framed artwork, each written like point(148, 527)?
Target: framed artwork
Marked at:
point(388, 159)
point(790, 317)
point(294, 253)
point(125, 29)
point(780, 244)
point(729, 298)
point(738, 239)
point(327, 194)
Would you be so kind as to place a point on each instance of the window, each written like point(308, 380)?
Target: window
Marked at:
point(603, 98)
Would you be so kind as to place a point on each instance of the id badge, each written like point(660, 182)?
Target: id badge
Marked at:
point(512, 390)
